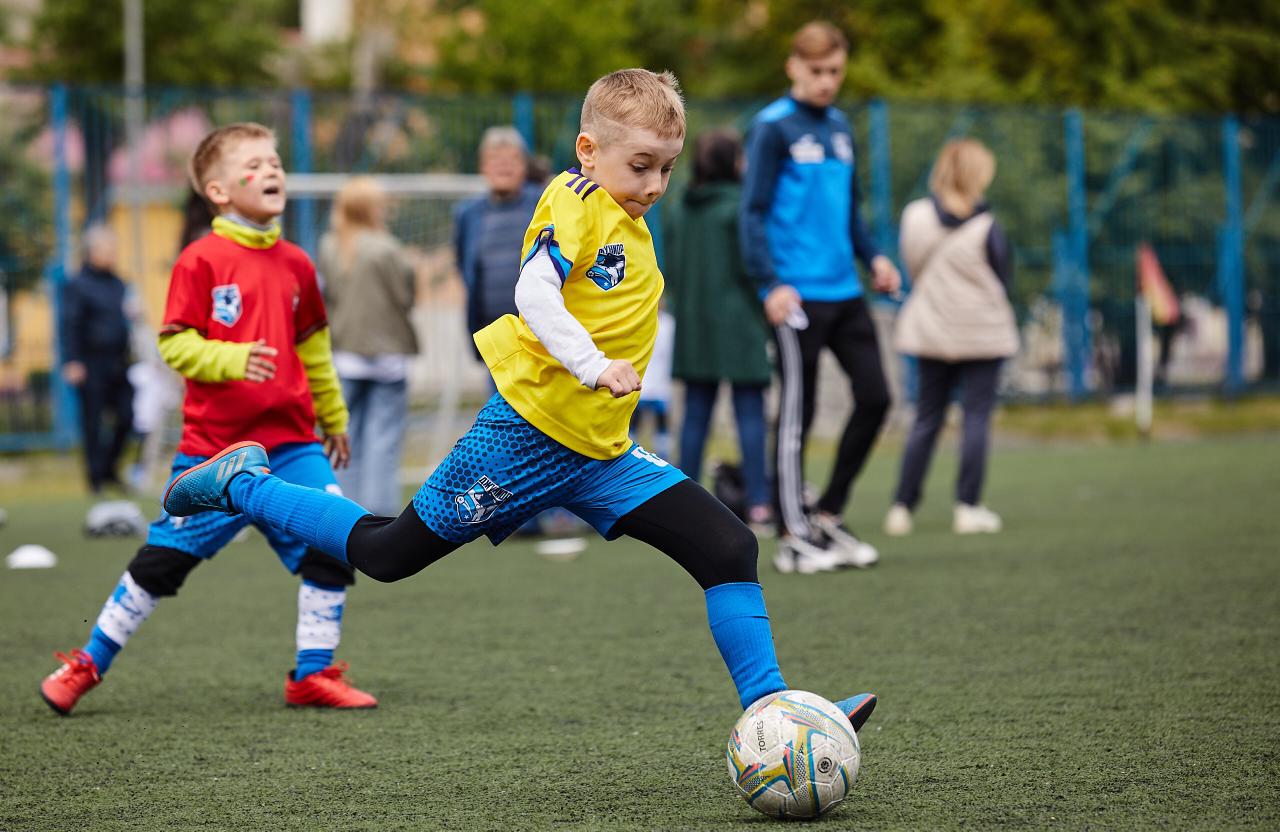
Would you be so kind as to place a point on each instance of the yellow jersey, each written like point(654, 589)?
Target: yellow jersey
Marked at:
point(611, 285)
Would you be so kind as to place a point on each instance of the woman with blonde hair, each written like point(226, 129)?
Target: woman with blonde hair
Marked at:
point(369, 291)
point(958, 322)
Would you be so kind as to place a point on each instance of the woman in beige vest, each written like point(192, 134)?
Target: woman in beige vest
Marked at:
point(958, 322)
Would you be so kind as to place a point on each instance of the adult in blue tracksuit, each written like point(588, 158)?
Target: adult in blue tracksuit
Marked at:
point(801, 231)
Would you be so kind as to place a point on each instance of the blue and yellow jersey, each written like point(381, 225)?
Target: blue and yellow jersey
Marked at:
point(611, 284)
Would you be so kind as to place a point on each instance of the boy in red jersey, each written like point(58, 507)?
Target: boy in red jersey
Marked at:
point(245, 325)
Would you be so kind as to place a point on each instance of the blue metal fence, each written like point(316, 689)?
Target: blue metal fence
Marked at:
point(1077, 191)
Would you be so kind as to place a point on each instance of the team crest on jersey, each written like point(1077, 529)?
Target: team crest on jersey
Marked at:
point(843, 146)
point(480, 500)
point(227, 306)
point(610, 266)
point(807, 150)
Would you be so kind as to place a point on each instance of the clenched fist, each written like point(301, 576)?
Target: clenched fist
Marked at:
point(619, 378)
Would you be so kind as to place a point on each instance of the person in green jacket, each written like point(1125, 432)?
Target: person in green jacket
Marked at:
point(720, 328)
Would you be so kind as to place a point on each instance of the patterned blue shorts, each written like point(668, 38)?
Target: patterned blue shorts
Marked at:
point(203, 535)
point(505, 471)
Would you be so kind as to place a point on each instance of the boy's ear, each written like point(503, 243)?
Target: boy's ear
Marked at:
point(586, 148)
point(216, 193)
point(793, 67)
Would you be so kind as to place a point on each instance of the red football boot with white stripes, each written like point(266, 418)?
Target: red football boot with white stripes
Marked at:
point(78, 675)
point(326, 689)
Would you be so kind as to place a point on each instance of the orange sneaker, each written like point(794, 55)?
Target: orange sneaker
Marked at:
point(326, 689)
point(78, 675)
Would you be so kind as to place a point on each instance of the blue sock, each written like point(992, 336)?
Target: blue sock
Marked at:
point(318, 518)
point(102, 649)
point(320, 608)
point(740, 627)
point(312, 661)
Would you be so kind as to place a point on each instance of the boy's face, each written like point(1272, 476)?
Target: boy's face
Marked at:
point(249, 181)
point(817, 81)
point(634, 168)
point(503, 168)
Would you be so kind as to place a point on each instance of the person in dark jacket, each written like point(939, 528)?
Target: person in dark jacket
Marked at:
point(488, 231)
point(720, 332)
point(94, 333)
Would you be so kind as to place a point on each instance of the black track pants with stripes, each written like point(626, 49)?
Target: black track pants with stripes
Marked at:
point(846, 328)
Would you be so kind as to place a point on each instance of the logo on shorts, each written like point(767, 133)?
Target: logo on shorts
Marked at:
point(480, 501)
point(227, 306)
point(648, 456)
point(610, 266)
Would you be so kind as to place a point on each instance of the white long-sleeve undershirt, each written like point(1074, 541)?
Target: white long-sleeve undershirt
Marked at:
point(539, 299)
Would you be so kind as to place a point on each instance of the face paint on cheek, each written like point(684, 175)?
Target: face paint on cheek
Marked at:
point(245, 180)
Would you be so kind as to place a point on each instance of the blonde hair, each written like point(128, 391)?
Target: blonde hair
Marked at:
point(818, 39)
point(634, 98)
point(961, 175)
point(360, 206)
point(214, 147)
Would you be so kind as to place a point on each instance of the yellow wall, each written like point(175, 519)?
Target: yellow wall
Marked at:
point(161, 228)
point(32, 313)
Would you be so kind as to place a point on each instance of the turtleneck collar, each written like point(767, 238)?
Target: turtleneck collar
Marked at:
point(811, 109)
point(247, 233)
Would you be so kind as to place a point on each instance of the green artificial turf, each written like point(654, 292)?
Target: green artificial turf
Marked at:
point(1111, 661)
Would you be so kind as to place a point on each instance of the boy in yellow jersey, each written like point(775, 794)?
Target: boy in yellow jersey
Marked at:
point(568, 372)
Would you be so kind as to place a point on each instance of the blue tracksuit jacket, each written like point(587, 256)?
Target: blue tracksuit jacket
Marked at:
point(799, 223)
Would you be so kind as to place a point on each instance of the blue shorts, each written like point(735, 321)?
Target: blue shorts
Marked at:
point(504, 471)
point(203, 535)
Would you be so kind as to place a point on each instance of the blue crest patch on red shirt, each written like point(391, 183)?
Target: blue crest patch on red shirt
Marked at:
point(227, 306)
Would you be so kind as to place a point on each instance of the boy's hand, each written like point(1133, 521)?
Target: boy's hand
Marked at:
point(338, 448)
point(884, 276)
point(260, 367)
point(620, 378)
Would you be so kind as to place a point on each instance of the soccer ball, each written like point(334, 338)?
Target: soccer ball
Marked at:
point(793, 755)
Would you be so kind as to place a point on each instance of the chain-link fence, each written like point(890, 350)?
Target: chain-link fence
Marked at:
point(1077, 192)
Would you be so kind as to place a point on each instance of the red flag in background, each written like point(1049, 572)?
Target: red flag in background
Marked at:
point(1155, 287)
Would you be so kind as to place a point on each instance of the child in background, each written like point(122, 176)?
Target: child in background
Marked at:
point(568, 373)
point(244, 323)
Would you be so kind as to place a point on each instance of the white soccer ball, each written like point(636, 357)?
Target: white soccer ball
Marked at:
point(793, 755)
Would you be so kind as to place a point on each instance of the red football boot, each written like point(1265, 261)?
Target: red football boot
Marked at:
point(78, 675)
point(326, 689)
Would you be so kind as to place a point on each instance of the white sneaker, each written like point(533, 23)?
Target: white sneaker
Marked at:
point(975, 520)
point(797, 555)
point(844, 544)
point(897, 522)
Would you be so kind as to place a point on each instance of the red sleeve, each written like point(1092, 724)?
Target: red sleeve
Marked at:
point(190, 299)
point(310, 316)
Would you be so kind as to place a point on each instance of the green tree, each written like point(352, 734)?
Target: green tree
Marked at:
point(187, 42)
point(1149, 55)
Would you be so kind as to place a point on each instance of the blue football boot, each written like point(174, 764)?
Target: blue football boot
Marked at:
point(858, 708)
point(204, 487)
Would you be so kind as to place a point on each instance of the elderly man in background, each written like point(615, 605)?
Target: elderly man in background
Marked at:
point(489, 229)
point(488, 235)
point(94, 332)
